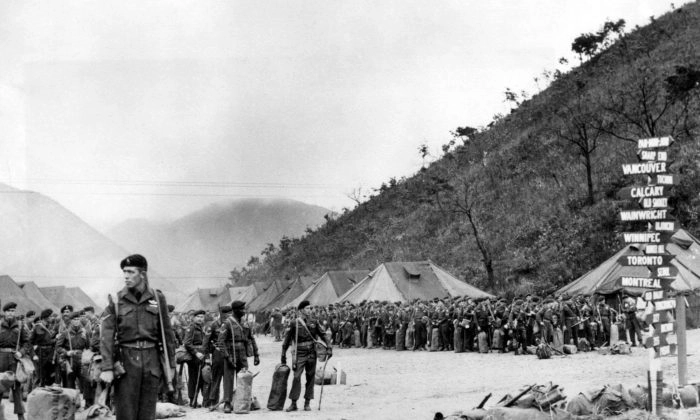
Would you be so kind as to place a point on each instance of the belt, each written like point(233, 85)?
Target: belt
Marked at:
point(140, 344)
point(7, 350)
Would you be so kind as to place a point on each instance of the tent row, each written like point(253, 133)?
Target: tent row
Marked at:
point(391, 281)
point(29, 297)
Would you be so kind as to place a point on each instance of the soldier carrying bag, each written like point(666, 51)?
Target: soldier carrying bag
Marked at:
point(118, 366)
point(25, 366)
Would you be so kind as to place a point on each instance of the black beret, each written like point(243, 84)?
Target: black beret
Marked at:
point(225, 309)
point(46, 313)
point(171, 308)
point(135, 260)
point(68, 307)
point(237, 305)
point(30, 314)
point(199, 312)
point(88, 309)
point(74, 315)
point(8, 306)
point(303, 304)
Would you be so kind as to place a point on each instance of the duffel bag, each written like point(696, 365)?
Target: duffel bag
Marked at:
point(182, 355)
point(543, 351)
point(53, 403)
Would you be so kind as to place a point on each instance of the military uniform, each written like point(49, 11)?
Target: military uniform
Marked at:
point(305, 333)
point(237, 341)
point(194, 339)
point(138, 336)
point(69, 347)
point(12, 333)
point(45, 341)
point(212, 347)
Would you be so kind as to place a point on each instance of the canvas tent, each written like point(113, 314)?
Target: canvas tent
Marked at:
point(11, 292)
point(245, 293)
point(293, 290)
point(264, 299)
point(31, 290)
point(405, 281)
point(208, 299)
point(329, 287)
point(61, 296)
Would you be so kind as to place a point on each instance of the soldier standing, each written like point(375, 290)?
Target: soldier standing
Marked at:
point(44, 339)
point(194, 340)
point(235, 336)
point(212, 347)
point(13, 336)
point(70, 344)
point(304, 332)
point(132, 337)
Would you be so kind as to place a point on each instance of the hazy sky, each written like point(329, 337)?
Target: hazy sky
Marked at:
point(121, 109)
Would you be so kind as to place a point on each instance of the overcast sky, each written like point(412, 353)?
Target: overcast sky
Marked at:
point(122, 109)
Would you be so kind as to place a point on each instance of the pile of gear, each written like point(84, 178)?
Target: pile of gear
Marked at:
point(548, 402)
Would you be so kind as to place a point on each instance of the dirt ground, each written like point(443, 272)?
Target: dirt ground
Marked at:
point(385, 384)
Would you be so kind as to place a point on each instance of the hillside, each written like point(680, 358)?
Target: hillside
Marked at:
point(46, 244)
point(205, 245)
point(530, 202)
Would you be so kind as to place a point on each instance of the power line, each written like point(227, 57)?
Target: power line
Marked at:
point(217, 184)
point(111, 278)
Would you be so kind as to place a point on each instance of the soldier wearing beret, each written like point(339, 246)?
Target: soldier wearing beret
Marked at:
point(133, 336)
point(43, 337)
point(14, 343)
point(70, 344)
point(236, 339)
point(213, 349)
point(194, 338)
point(304, 332)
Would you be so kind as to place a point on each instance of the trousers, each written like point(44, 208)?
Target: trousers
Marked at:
point(136, 393)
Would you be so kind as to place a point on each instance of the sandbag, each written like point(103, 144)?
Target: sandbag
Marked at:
point(620, 348)
point(168, 410)
point(435, 339)
point(569, 349)
point(244, 392)
point(182, 355)
point(278, 390)
point(53, 403)
point(482, 339)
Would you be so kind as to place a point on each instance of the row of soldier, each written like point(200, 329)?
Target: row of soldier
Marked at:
point(455, 324)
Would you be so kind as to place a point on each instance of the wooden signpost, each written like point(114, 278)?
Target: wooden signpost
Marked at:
point(666, 335)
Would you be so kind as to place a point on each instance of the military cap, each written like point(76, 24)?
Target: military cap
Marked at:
point(199, 312)
point(303, 304)
point(30, 314)
point(46, 313)
point(73, 315)
point(225, 309)
point(171, 308)
point(136, 260)
point(237, 305)
point(8, 306)
point(88, 309)
point(67, 308)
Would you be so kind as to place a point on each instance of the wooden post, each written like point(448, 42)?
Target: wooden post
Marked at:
point(682, 343)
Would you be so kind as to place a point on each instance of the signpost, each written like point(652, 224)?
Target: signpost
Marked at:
point(653, 199)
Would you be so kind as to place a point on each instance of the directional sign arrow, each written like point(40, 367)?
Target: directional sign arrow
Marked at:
point(664, 225)
point(651, 249)
point(659, 317)
point(665, 350)
point(662, 179)
point(640, 282)
point(645, 260)
point(658, 155)
point(643, 191)
point(663, 271)
point(656, 341)
point(655, 142)
point(661, 305)
point(643, 215)
point(644, 168)
point(646, 237)
point(654, 295)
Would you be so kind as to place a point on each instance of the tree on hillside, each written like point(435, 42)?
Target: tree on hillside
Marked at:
point(590, 44)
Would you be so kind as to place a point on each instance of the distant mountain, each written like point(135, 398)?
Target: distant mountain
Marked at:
point(204, 246)
point(45, 243)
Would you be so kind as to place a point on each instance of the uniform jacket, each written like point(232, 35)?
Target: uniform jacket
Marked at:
point(9, 333)
point(137, 321)
point(194, 338)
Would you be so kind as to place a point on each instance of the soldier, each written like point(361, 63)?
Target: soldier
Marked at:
point(14, 343)
point(194, 339)
point(44, 339)
point(304, 332)
point(63, 319)
point(132, 337)
point(215, 351)
point(70, 344)
point(276, 324)
point(235, 336)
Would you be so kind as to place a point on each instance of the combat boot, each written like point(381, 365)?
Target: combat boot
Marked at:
point(307, 405)
point(227, 407)
point(292, 406)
